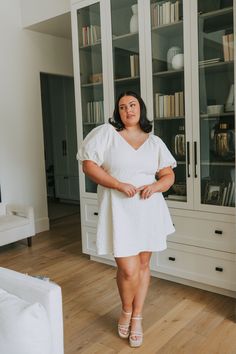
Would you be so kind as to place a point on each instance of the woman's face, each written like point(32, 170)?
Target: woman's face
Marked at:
point(129, 109)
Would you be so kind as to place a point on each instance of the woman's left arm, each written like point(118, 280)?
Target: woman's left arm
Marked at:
point(166, 178)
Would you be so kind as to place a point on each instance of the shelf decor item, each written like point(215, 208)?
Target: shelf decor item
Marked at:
point(229, 105)
point(134, 19)
point(224, 141)
point(214, 193)
point(170, 55)
point(215, 109)
point(178, 61)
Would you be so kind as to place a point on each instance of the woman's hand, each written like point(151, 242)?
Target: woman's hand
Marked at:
point(166, 178)
point(127, 189)
point(147, 190)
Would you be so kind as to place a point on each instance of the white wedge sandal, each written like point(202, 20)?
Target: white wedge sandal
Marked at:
point(136, 337)
point(124, 328)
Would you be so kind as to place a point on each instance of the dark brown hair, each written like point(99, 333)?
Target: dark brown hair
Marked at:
point(145, 123)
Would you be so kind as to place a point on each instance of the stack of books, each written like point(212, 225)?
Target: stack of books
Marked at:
point(167, 106)
point(209, 61)
point(134, 65)
point(95, 112)
point(91, 34)
point(228, 197)
point(165, 12)
point(228, 46)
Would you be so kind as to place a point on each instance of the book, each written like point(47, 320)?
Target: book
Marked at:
point(231, 46)
point(225, 41)
point(177, 104)
point(231, 194)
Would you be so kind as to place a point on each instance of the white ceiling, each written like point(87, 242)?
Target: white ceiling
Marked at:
point(59, 26)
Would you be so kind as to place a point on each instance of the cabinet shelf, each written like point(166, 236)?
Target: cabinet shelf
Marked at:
point(125, 36)
point(126, 79)
point(216, 116)
point(217, 20)
point(216, 13)
point(92, 84)
point(92, 123)
point(217, 67)
point(218, 163)
point(88, 47)
point(168, 118)
point(169, 29)
point(169, 73)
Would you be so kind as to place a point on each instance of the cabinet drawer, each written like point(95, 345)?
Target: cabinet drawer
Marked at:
point(195, 264)
point(89, 213)
point(89, 243)
point(215, 235)
point(89, 240)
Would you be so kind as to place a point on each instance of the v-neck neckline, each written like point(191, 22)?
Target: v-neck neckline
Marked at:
point(134, 149)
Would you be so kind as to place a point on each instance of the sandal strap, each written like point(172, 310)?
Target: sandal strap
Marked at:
point(136, 333)
point(124, 326)
point(136, 318)
point(126, 313)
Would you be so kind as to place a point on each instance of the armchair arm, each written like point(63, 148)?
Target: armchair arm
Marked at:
point(23, 211)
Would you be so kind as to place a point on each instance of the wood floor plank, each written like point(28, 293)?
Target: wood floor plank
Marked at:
point(177, 319)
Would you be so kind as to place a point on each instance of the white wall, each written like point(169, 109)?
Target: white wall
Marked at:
point(34, 11)
point(24, 54)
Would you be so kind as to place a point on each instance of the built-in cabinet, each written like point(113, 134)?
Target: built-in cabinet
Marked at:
point(63, 136)
point(179, 55)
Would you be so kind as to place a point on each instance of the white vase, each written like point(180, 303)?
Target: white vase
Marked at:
point(170, 55)
point(178, 61)
point(133, 25)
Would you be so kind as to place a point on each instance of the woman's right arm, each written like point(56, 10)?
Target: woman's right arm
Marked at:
point(99, 176)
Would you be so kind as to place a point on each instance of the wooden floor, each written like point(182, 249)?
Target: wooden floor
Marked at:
point(177, 319)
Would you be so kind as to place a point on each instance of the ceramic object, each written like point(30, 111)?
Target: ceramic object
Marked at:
point(224, 141)
point(178, 61)
point(170, 54)
point(134, 19)
point(215, 109)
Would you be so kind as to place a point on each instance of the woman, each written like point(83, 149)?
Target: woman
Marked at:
point(132, 168)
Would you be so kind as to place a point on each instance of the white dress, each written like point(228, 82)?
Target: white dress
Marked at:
point(128, 226)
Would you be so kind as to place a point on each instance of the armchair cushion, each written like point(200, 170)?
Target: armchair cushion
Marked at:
point(12, 221)
point(24, 326)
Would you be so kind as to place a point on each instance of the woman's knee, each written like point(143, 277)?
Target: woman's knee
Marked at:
point(129, 270)
point(144, 261)
point(129, 273)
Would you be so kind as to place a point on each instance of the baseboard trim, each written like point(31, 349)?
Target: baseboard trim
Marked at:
point(41, 225)
point(194, 284)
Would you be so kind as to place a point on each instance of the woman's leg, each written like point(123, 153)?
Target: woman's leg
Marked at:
point(138, 302)
point(128, 273)
point(144, 279)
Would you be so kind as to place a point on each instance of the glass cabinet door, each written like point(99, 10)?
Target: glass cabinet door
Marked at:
point(168, 87)
point(216, 102)
point(91, 72)
point(125, 46)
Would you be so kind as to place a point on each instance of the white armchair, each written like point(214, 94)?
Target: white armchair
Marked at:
point(31, 319)
point(16, 223)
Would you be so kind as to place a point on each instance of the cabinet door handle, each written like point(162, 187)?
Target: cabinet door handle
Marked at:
point(171, 259)
point(219, 269)
point(64, 148)
point(95, 213)
point(195, 159)
point(188, 159)
point(218, 232)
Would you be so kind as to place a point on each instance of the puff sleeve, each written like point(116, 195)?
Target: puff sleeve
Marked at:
point(94, 145)
point(165, 158)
